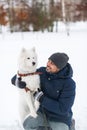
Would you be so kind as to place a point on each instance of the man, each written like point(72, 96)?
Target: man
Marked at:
point(56, 96)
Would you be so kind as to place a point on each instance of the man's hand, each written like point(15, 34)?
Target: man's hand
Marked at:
point(38, 95)
point(17, 82)
point(20, 84)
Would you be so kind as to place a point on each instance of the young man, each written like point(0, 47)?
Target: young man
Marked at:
point(56, 96)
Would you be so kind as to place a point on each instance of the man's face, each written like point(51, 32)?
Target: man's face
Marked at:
point(51, 67)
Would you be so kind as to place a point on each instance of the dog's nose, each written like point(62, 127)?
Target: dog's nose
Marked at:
point(33, 63)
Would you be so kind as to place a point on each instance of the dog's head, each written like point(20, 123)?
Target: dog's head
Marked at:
point(27, 61)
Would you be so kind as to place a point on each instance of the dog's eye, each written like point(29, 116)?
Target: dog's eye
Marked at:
point(28, 58)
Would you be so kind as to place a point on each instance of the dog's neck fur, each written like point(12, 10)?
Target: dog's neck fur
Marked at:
point(26, 71)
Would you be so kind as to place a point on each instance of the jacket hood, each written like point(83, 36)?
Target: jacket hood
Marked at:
point(66, 72)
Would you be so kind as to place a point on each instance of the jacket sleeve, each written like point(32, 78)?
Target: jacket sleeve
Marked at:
point(13, 79)
point(64, 102)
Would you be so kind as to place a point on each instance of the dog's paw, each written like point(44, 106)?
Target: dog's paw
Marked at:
point(34, 115)
point(36, 104)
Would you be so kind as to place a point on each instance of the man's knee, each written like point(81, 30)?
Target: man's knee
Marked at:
point(32, 123)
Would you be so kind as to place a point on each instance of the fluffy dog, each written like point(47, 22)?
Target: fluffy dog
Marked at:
point(27, 63)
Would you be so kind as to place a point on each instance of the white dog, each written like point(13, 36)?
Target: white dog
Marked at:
point(27, 63)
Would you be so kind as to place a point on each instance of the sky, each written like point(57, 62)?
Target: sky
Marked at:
point(75, 45)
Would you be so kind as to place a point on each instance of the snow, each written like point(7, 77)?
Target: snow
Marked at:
point(46, 44)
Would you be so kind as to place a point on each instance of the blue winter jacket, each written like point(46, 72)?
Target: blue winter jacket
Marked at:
point(59, 94)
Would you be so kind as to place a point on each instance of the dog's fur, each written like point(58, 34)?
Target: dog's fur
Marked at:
point(27, 63)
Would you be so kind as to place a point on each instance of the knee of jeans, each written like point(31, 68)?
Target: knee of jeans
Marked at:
point(27, 124)
point(31, 122)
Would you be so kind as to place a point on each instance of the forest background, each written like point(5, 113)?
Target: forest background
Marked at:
point(40, 15)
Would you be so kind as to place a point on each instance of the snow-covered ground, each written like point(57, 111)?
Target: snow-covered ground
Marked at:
point(75, 45)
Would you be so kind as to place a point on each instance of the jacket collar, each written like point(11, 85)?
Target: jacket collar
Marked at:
point(66, 72)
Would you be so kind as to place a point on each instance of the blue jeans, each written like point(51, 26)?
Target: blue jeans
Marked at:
point(31, 123)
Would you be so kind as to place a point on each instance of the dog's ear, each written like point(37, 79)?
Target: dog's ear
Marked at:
point(33, 49)
point(23, 49)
